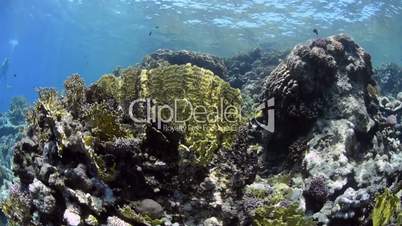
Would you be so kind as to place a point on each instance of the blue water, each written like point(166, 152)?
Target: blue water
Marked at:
point(47, 40)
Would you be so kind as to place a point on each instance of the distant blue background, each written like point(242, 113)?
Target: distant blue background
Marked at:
point(92, 37)
point(55, 41)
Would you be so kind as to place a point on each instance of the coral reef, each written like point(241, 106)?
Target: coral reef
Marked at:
point(325, 95)
point(389, 79)
point(244, 71)
point(315, 83)
point(82, 162)
point(334, 158)
point(252, 67)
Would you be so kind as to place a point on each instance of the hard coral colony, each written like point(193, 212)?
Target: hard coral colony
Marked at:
point(82, 159)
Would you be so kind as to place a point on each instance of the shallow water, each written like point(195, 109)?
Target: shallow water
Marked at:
point(47, 40)
point(319, 129)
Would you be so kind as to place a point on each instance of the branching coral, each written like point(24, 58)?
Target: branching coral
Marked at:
point(51, 102)
point(75, 94)
point(50, 111)
point(104, 123)
point(105, 126)
point(17, 207)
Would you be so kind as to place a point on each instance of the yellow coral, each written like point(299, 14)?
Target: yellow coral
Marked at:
point(179, 86)
point(51, 103)
point(75, 94)
point(111, 85)
point(386, 207)
point(199, 87)
point(104, 123)
point(130, 86)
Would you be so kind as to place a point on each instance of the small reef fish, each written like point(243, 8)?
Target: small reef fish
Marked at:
point(315, 31)
point(150, 33)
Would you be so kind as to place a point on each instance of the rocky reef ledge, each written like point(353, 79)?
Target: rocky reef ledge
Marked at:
point(333, 159)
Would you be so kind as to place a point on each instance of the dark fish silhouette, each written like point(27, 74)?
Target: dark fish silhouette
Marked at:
point(157, 27)
point(150, 33)
point(315, 31)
